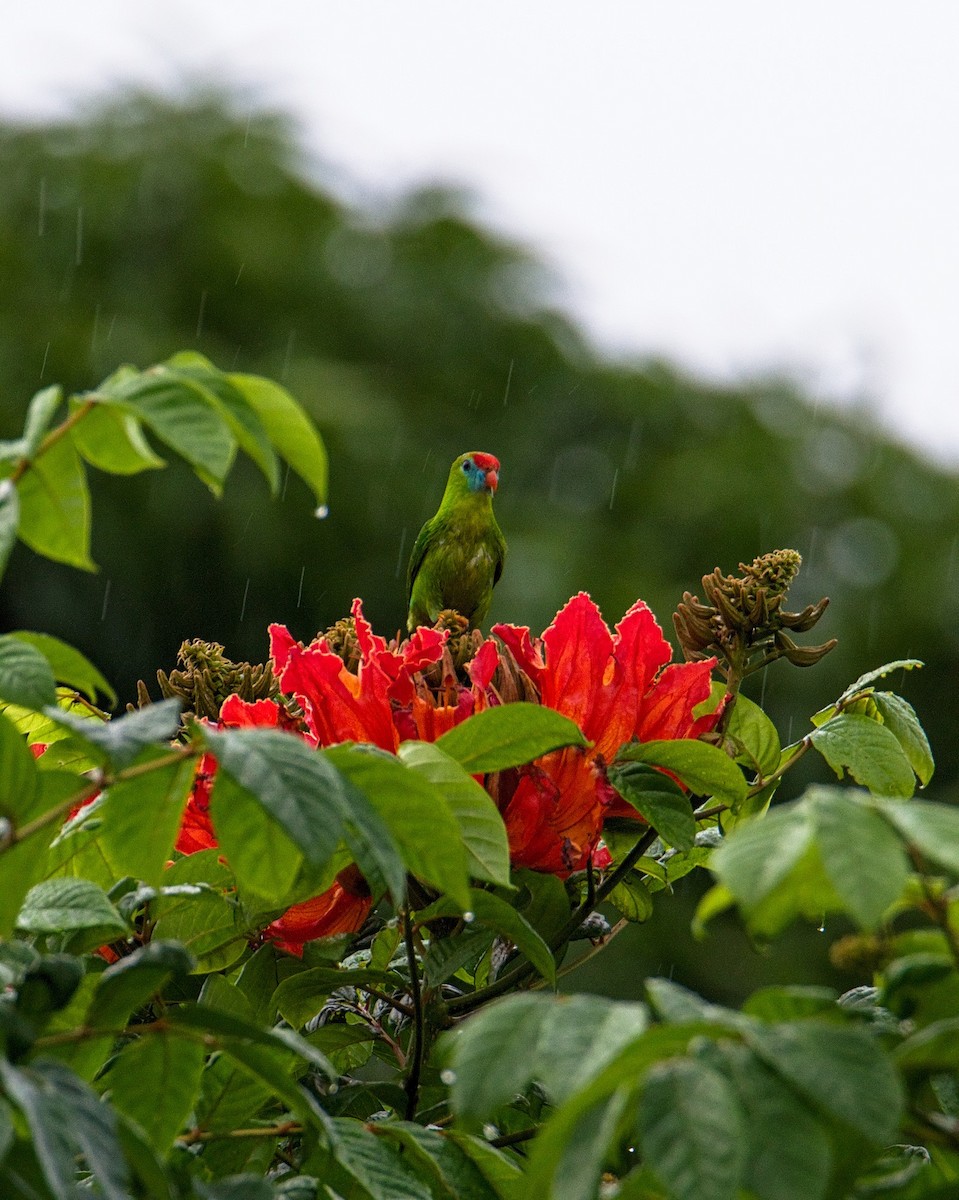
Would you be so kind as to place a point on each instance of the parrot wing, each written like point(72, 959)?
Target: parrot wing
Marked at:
point(420, 547)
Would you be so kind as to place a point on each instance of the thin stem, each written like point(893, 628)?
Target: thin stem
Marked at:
point(400, 1007)
point(16, 835)
point(505, 983)
point(801, 748)
point(417, 1047)
point(283, 1129)
point(935, 906)
point(513, 1139)
point(590, 953)
point(51, 439)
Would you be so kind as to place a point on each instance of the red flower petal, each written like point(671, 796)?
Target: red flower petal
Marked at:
point(342, 908)
point(578, 649)
point(667, 710)
point(516, 638)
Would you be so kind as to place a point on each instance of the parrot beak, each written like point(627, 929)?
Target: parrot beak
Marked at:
point(492, 480)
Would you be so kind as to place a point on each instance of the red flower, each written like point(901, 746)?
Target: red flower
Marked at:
point(342, 908)
point(386, 699)
point(615, 687)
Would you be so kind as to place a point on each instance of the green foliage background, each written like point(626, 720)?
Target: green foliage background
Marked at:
point(411, 333)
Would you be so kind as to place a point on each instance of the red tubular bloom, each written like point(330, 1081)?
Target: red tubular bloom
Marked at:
point(384, 701)
point(615, 686)
point(342, 908)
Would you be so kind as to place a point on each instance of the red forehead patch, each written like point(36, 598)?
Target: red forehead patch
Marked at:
point(485, 462)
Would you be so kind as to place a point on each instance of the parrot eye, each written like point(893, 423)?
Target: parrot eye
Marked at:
point(466, 466)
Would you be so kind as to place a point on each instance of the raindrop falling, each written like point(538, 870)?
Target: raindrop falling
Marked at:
point(762, 690)
point(286, 480)
point(106, 600)
point(290, 342)
point(96, 326)
point(322, 512)
point(509, 379)
point(43, 365)
point(399, 556)
point(246, 592)
point(612, 491)
point(238, 274)
point(299, 594)
point(110, 330)
point(79, 254)
point(199, 319)
point(822, 924)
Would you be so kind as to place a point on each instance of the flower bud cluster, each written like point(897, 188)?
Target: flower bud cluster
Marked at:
point(743, 622)
point(206, 677)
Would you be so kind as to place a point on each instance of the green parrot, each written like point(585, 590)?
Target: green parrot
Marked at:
point(458, 555)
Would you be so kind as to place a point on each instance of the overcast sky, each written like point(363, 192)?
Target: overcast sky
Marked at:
point(741, 185)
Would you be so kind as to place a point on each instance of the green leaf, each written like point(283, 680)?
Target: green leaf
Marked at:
point(755, 858)
point(40, 413)
point(66, 1117)
point(240, 415)
point(755, 735)
point(481, 826)
point(378, 1166)
point(863, 857)
point(60, 905)
point(25, 675)
point(289, 429)
point(788, 1155)
point(693, 1130)
point(55, 507)
point(19, 777)
point(69, 666)
point(931, 827)
point(141, 819)
point(122, 739)
point(869, 751)
point(134, 979)
point(704, 769)
point(301, 997)
point(273, 805)
point(500, 1172)
point(932, 1049)
point(207, 920)
point(110, 438)
point(229, 1030)
point(183, 414)
point(870, 677)
point(658, 798)
point(561, 1042)
point(9, 520)
point(580, 1162)
point(843, 1071)
point(632, 898)
point(155, 1081)
point(417, 814)
point(498, 914)
point(508, 736)
point(899, 717)
point(453, 1174)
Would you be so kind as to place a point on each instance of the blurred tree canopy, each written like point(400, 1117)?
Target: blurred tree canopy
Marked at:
point(148, 225)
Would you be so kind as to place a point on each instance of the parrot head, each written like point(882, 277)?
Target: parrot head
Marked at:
point(479, 471)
